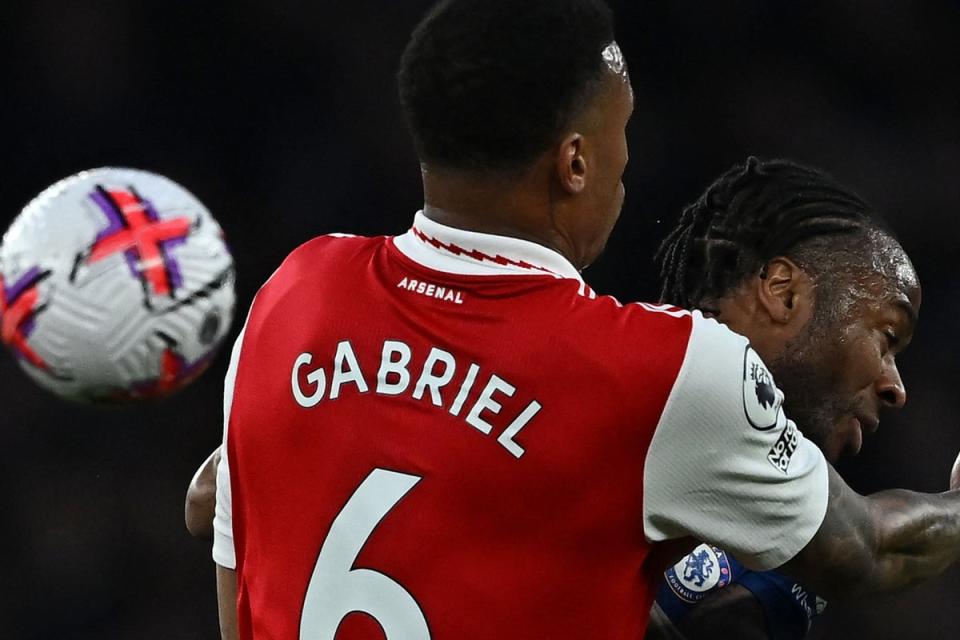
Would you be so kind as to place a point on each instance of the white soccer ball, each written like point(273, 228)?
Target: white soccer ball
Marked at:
point(115, 285)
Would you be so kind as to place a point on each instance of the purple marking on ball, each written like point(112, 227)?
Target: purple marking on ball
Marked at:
point(176, 278)
point(27, 327)
point(132, 260)
point(166, 247)
point(116, 222)
point(21, 285)
point(149, 209)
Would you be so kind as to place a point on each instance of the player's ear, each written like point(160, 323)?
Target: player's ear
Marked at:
point(572, 164)
point(785, 291)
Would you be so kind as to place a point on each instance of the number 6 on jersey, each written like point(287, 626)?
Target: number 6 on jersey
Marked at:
point(336, 589)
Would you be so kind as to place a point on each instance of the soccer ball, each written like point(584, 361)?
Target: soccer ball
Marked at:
point(115, 285)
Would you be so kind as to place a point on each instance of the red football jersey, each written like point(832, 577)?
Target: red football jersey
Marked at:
point(443, 435)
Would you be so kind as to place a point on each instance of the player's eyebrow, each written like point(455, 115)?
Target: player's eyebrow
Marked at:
point(902, 303)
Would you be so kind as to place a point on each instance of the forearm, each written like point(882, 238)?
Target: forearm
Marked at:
point(918, 536)
point(659, 627)
point(227, 603)
point(731, 612)
point(881, 543)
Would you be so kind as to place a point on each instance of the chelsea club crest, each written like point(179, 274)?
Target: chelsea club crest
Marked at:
point(706, 568)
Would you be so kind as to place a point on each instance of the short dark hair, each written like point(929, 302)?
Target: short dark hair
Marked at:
point(490, 84)
point(754, 212)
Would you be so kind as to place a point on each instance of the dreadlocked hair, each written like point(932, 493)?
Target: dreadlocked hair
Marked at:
point(754, 212)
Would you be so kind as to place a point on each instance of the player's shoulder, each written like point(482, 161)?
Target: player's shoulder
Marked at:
point(313, 265)
point(322, 255)
point(626, 315)
point(720, 365)
point(330, 247)
point(645, 323)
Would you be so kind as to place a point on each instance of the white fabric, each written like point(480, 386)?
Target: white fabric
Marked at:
point(476, 254)
point(223, 549)
point(708, 472)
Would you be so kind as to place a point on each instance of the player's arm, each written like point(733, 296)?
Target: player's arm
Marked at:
point(227, 603)
point(731, 601)
point(728, 467)
point(201, 498)
point(730, 612)
point(660, 627)
point(883, 542)
point(224, 551)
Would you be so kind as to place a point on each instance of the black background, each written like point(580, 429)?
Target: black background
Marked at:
point(282, 116)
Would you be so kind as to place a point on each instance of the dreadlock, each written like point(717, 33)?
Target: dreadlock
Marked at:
point(754, 212)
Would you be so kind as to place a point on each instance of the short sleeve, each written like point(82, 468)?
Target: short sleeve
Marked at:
point(725, 464)
point(223, 549)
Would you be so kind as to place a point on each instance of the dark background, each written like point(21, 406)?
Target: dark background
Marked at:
point(282, 116)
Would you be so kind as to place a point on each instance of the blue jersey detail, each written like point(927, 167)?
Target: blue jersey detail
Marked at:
point(788, 606)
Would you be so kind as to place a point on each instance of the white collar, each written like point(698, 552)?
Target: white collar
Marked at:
point(463, 252)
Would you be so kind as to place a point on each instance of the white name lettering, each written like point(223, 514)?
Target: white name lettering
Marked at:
point(486, 403)
point(464, 390)
point(506, 438)
point(440, 369)
point(316, 377)
point(428, 379)
point(346, 374)
point(398, 368)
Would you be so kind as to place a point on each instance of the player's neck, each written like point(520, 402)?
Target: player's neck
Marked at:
point(498, 206)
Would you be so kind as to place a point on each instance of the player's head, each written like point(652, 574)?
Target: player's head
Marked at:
point(796, 262)
point(534, 93)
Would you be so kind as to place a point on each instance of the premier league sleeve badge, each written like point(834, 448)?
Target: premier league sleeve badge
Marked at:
point(761, 398)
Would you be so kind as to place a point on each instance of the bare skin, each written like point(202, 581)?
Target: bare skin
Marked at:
point(227, 603)
point(732, 612)
point(201, 498)
point(568, 200)
point(850, 361)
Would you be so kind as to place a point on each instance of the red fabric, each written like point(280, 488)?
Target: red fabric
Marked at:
point(549, 545)
point(145, 236)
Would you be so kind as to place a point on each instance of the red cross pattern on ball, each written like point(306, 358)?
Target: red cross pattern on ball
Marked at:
point(18, 310)
point(137, 231)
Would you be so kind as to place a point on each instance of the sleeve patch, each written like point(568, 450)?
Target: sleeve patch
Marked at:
point(704, 569)
point(761, 398)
